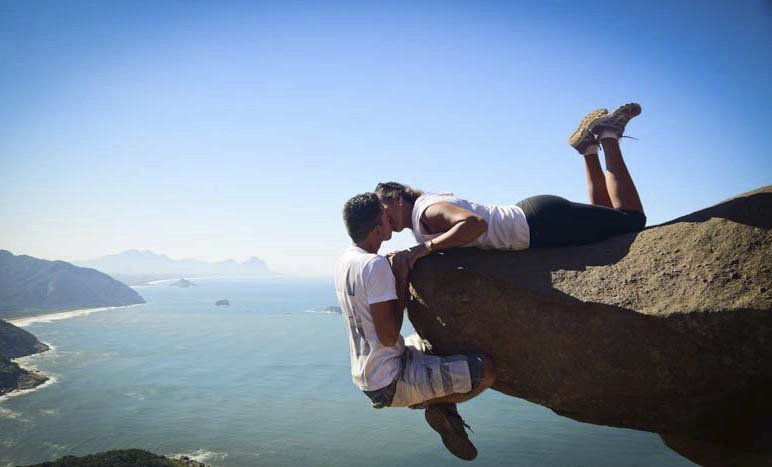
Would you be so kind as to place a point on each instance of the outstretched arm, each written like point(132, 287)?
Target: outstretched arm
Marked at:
point(459, 227)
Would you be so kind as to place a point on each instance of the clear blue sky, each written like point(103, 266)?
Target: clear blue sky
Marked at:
point(224, 129)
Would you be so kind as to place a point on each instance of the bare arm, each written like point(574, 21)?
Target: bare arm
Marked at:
point(387, 319)
point(459, 226)
point(400, 267)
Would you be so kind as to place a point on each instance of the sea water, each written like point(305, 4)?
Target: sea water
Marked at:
point(264, 381)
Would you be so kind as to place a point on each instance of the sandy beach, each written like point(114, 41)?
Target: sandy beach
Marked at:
point(49, 317)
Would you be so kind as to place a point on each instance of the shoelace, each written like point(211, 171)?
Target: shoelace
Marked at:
point(467, 426)
point(456, 415)
point(600, 146)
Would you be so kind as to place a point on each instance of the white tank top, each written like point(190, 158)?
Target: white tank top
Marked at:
point(507, 226)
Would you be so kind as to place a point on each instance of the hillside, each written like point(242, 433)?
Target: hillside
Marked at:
point(31, 286)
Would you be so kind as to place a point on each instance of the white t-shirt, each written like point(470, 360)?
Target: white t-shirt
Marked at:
point(507, 225)
point(363, 278)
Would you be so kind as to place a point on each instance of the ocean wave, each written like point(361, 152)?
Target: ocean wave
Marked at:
point(202, 455)
point(10, 414)
point(321, 312)
point(18, 417)
point(23, 322)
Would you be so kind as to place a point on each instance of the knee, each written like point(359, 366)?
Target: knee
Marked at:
point(640, 222)
point(636, 221)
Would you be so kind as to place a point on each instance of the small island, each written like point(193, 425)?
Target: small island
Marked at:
point(222, 303)
point(183, 283)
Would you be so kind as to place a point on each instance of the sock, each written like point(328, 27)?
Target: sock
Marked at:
point(608, 133)
point(591, 149)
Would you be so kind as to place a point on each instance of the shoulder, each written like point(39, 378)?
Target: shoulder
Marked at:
point(434, 197)
point(374, 262)
point(429, 199)
point(355, 258)
point(377, 270)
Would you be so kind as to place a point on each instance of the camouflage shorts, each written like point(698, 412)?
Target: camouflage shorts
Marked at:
point(423, 376)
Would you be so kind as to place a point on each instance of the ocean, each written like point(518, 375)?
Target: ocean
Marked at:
point(264, 381)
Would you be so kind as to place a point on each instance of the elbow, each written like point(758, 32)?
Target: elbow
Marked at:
point(389, 339)
point(480, 225)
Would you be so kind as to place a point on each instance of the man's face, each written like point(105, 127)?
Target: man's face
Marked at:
point(391, 209)
point(385, 226)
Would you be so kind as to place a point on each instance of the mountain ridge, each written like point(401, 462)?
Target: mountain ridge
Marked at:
point(30, 285)
point(145, 262)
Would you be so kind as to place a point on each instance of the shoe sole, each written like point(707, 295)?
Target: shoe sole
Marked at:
point(440, 424)
point(583, 129)
point(626, 112)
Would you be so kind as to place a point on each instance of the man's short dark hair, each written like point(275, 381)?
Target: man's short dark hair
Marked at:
point(361, 214)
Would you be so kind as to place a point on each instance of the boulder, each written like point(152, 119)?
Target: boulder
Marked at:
point(667, 330)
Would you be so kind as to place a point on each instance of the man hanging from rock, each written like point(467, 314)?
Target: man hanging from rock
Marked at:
point(392, 371)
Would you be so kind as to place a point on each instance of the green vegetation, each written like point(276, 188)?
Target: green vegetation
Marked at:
point(118, 458)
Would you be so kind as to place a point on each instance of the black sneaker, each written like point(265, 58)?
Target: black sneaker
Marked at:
point(445, 420)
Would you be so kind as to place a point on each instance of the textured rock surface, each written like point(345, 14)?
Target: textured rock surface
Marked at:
point(668, 330)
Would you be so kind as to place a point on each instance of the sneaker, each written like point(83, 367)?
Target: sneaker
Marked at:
point(445, 420)
point(582, 136)
point(617, 120)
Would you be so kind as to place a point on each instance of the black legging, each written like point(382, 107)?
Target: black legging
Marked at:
point(556, 221)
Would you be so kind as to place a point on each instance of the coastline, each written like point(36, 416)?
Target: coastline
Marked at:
point(50, 380)
point(56, 316)
point(25, 362)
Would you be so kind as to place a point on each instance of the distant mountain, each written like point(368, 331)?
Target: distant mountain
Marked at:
point(30, 285)
point(149, 264)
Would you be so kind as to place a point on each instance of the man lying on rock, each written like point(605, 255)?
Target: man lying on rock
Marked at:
point(392, 371)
